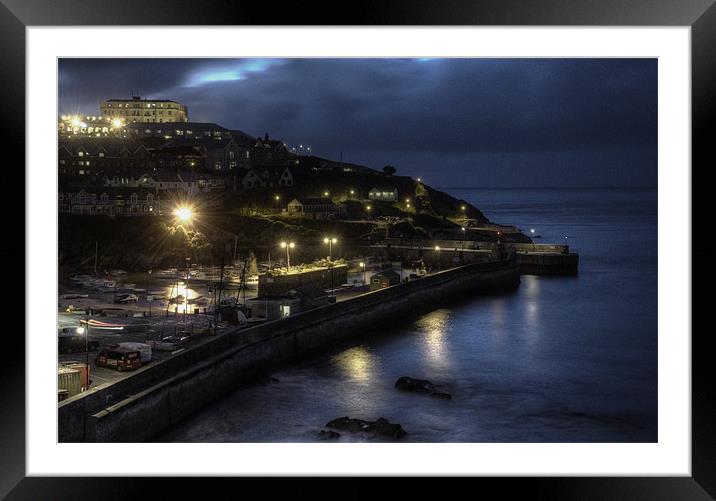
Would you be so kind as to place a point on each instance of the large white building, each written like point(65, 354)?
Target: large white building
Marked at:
point(137, 109)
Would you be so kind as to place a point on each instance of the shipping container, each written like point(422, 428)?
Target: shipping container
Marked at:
point(68, 379)
point(84, 372)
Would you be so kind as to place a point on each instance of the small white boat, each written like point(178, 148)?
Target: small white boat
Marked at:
point(170, 273)
point(198, 300)
point(81, 278)
point(252, 281)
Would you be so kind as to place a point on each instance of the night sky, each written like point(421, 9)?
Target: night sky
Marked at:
point(454, 122)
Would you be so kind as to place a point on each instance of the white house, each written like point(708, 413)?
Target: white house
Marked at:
point(383, 194)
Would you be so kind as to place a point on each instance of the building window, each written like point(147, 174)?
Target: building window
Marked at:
point(81, 153)
point(101, 154)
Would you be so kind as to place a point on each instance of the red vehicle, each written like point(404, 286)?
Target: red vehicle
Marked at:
point(121, 359)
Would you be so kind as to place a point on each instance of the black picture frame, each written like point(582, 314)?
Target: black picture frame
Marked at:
point(700, 15)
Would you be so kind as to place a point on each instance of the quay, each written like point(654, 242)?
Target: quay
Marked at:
point(156, 396)
point(533, 259)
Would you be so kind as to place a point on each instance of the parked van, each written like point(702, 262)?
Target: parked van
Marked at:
point(118, 358)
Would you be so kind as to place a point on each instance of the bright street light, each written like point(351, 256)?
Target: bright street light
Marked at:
point(287, 246)
point(183, 214)
point(80, 330)
point(117, 123)
point(330, 241)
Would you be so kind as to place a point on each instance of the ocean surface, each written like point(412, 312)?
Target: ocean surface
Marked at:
point(561, 359)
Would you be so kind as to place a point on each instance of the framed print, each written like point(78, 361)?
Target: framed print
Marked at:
point(421, 241)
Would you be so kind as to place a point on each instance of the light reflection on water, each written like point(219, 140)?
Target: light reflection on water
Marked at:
point(435, 328)
point(358, 364)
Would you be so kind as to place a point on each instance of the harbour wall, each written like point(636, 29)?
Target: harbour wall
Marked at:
point(534, 259)
point(162, 394)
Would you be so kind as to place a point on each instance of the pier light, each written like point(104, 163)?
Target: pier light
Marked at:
point(184, 214)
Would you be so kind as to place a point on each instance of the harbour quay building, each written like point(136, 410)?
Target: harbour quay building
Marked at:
point(141, 110)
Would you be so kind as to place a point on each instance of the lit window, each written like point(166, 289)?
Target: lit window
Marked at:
point(101, 153)
point(81, 153)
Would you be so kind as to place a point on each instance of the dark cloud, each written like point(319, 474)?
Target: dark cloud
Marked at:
point(533, 122)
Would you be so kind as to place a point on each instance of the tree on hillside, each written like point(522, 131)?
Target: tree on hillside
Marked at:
point(389, 170)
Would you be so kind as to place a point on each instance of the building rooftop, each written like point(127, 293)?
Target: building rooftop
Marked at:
point(313, 201)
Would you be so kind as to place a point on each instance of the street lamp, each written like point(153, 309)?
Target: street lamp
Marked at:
point(186, 293)
point(325, 193)
point(362, 265)
point(287, 246)
point(330, 241)
point(81, 330)
point(437, 249)
point(184, 214)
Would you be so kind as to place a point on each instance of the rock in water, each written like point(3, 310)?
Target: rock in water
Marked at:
point(406, 383)
point(328, 434)
point(381, 427)
point(444, 396)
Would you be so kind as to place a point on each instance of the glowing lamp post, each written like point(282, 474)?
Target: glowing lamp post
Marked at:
point(82, 331)
point(437, 250)
point(362, 267)
point(288, 246)
point(330, 241)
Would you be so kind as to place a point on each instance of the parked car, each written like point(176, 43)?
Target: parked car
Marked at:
point(69, 340)
point(126, 298)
